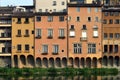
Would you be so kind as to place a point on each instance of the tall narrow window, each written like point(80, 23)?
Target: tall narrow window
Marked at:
point(111, 35)
point(96, 19)
point(110, 48)
point(19, 33)
point(55, 48)
point(18, 20)
point(26, 47)
point(54, 3)
point(78, 18)
point(44, 48)
point(77, 48)
point(116, 48)
point(19, 47)
point(61, 33)
point(50, 33)
point(26, 20)
point(91, 48)
point(105, 48)
point(61, 18)
point(78, 9)
point(89, 19)
point(38, 33)
point(96, 9)
point(89, 10)
point(105, 35)
point(26, 33)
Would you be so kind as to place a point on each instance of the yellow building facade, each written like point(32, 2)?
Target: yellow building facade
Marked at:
point(22, 39)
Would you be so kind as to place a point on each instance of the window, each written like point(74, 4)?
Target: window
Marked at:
point(26, 47)
point(55, 48)
point(105, 35)
point(91, 48)
point(84, 27)
point(19, 20)
point(111, 35)
point(69, 18)
point(78, 9)
point(117, 21)
point(116, 48)
point(111, 13)
point(95, 33)
point(117, 35)
point(116, 13)
point(61, 33)
point(50, 33)
point(77, 48)
point(96, 9)
point(61, 18)
point(19, 33)
point(104, 21)
point(40, 10)
point(38, 18)
point(78, 18)
point(72, 33)
point(26, 33)
point(84, 34)
point(54, 10)
point(54, 3)
point(110, 48)
point(105, 48)
point(110, 21)
point(105, 13)
point(72, 27)
point(89, 19)
point(19, 47)
point(96, 19)
point(26, 20)
point(38, 33)
point(50, 18)
point(89, 10)
point(44, 48)
point(63, 3)
point(46, 10)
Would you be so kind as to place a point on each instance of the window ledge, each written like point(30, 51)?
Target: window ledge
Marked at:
point(54, 53)
point(44, 53)
point(18, 22)
point(61, 37)
point(26, 35)
point(95, 36)
point(26, 51)
point(18, 35)
point(83, 38)
point(50, 37)
point(38, 37)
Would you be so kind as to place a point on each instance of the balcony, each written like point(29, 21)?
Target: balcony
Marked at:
point(5, 23)
point(5, 36)
point(83, 38)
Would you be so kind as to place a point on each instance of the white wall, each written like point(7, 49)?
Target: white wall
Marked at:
point(48, 4)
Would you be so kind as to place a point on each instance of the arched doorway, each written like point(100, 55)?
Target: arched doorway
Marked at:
point(82, 63)
point(111, 61)
point(51, 62)
point(58, 62)
point(116, 60)
point(16, 61)
point(23, 60)
point(64, 62)
point(88, 62)
point(94, 62)
point(38, 62)
point(30, 60)
point(105, 61)
point(45, 63)
point(70, 62)
point(77, 62)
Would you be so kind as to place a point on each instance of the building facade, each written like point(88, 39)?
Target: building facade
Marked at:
point(111, 32)
point(22, 38)
point(51, 39)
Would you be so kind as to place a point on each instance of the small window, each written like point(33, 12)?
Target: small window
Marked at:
point(72, 27)
point(38, 18)
point(110, 48)
point(84, 34)
point(50, 33)
point(19, 32)
point(84, 27)
point(96, 9)
point(26, 47)
point(105, 35)
point(105, 13)
point(105, 48)
point(63, 3)
point(89, 19)
point(89, 10)
point(55, 48)
point(54, 3)
point(111, 13)
point(117, 35)
point(61, 18)
point(116, 48)
point(96, 19)
point(104, 21)
point(110, 21)
point(54, 10)
point(38, 33)
point(91, 48)
point(116, 13)
point(26, 32)
point(111, 35)
point(19, 20)
point(61, 33)
point(117, 21)
point(50, 18)
point(46, 10)
point(26, 20)
point(19, 47)
point(78, 18)
point(44, 48)
point(78, 9)
point(40, 10)
point(95, 33)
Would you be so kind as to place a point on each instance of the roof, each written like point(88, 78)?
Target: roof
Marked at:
point(23, 14)
point(50, 14)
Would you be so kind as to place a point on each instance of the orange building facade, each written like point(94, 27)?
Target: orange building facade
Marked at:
point(85, 42)
point(51, 39)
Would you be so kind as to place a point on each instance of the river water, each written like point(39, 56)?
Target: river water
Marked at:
point(77, 77)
